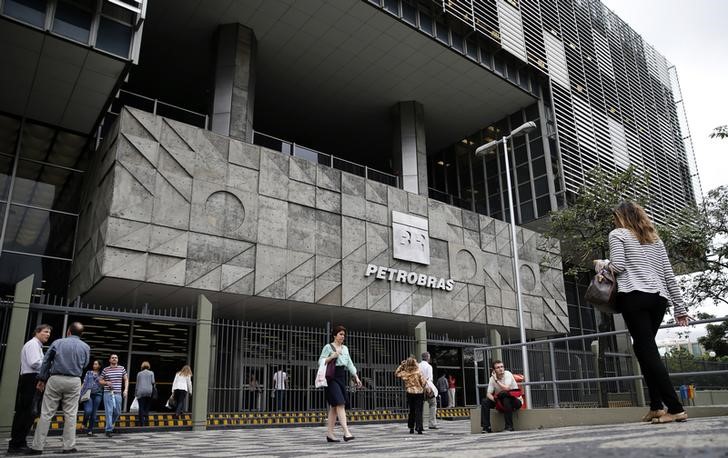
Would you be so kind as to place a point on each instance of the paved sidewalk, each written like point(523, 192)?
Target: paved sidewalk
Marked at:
point(702, 437)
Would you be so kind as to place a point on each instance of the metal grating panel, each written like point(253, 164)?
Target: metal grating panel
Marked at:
point(556, 59)
point(511, 30)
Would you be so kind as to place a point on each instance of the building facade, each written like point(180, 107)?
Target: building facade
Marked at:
point(300, 163)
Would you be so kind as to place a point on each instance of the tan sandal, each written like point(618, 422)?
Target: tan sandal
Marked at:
point(653, 414)
point(670, 417)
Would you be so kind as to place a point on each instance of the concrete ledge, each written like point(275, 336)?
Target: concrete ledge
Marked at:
point(555, 418)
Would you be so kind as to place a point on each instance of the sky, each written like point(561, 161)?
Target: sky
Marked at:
point(693, 36)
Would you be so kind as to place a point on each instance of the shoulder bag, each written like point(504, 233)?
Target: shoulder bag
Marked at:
point(602, 291)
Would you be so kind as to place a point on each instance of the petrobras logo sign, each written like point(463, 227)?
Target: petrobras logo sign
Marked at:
point(411, 242)
point(411, 278)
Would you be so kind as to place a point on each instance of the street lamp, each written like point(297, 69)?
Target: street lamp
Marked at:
point(492, 147)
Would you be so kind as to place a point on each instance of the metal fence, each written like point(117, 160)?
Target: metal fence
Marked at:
point(246, 355)
point(564, 378)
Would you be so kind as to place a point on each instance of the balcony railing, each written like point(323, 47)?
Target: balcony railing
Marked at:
point(157, 107)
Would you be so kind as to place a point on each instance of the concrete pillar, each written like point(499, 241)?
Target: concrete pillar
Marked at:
point(409, 149)
point(421, 347)
point(234, 91)
point(495, 339)
point(16, 340)
point(202, 364)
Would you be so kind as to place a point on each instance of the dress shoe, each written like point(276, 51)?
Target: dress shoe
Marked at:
point(328, 439)
point(419, 431)
point(412, 431)
point(108, 434)
point(32, 451)
point(653, 414)
point(486, 430)
point(508, 428)
point(348, 438)
point(18, 450)
point(670, 417)
point(70, 450)
point(433, 427)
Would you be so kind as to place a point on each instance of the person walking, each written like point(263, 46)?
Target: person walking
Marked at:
point(144, 391)
point(280, 384)
point(414, 384)
point(451, 385)
point(181, 387)
point(96, 395)
point(431, 401)
point(116, 382)
point(503, 394)
point(253, 392)
point(442, 390)
point(645, 288)
point(60, 380)
point(336, 396)
point(31, 358)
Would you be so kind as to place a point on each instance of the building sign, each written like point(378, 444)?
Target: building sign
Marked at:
point(412, 278)
point(411, 241)
point(411, 238)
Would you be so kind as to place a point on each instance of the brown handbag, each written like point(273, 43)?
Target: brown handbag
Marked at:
point(602, 291)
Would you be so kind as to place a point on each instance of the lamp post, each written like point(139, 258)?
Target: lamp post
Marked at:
point(482, 151)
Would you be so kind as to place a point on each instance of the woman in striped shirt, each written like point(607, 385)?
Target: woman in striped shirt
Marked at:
point(645, 287)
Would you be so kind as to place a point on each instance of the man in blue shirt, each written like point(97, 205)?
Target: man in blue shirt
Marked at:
point(60, 379)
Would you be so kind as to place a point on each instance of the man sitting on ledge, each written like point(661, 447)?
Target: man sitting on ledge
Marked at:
point(503, 394)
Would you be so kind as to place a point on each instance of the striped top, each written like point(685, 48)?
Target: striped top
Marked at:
point(115, 375)
point(644, 268)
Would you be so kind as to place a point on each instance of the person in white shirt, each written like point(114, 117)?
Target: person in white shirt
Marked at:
point(181, 388)
point(31, 358)
point(426, 370)
point(280, 383)
point(502, 394)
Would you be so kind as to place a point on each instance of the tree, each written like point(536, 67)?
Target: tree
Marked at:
point(697, 241)
point(716, 339)
point(583, 228)
point(720, 132)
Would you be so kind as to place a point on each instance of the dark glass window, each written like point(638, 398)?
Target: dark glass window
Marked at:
point(72, 22)
point(426, 23)
point(521, 155)
point(532, 112)
point(499, 66)
point(524, 79)
point(527, 212)
point(522, 174)
point(409, 13)
point(39, 232)
point(543, 205)
point(457, 42)
point(392, 6)
point(6, 171)
point(50, 274)
point(536, 147)
point(114, 37)
point(524, 192)
point(486, 58)
point(471, 49)
point(30, 11)
point(47, 186)
point(541, 185)
point(443, 32)
point(539, 167)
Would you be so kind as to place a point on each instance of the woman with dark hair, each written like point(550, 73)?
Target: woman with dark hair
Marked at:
point(91, 406)
point(645, 287)
point(336, 396)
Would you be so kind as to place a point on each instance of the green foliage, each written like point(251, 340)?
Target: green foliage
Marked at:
point(720, 132)
point(716, 339)
point(697, 240)
point(583, 226)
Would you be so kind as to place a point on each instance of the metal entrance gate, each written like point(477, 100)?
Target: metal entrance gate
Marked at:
point(246, 355)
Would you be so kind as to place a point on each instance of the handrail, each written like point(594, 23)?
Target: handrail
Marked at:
point(554, 381)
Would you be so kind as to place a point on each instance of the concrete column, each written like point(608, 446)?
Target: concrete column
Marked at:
point(234, 97)
point(202, 364)
point(409, 149)
point(421, 347)
point(495, 339)
point(16, 340)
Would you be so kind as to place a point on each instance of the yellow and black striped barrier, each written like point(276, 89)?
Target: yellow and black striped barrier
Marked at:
point(222, 420)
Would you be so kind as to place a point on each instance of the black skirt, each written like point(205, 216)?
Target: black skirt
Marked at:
point(336, 389)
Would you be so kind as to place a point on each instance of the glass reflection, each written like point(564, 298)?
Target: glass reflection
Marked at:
point(39, 232)
point(47, 186)
point(51, 275)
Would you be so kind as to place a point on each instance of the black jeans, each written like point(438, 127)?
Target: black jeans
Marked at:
point(180, 396)
point(510, 403)
point(643, 313)
point(415, 403)
point(144, 404)
point(23, 419)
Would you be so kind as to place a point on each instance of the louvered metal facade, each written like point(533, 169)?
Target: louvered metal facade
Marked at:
point(611, 96)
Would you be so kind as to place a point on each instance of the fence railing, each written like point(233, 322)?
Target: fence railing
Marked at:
point(317, 157)
point(560, 377)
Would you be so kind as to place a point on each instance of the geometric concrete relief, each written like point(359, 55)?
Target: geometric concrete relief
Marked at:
point(168, 203)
